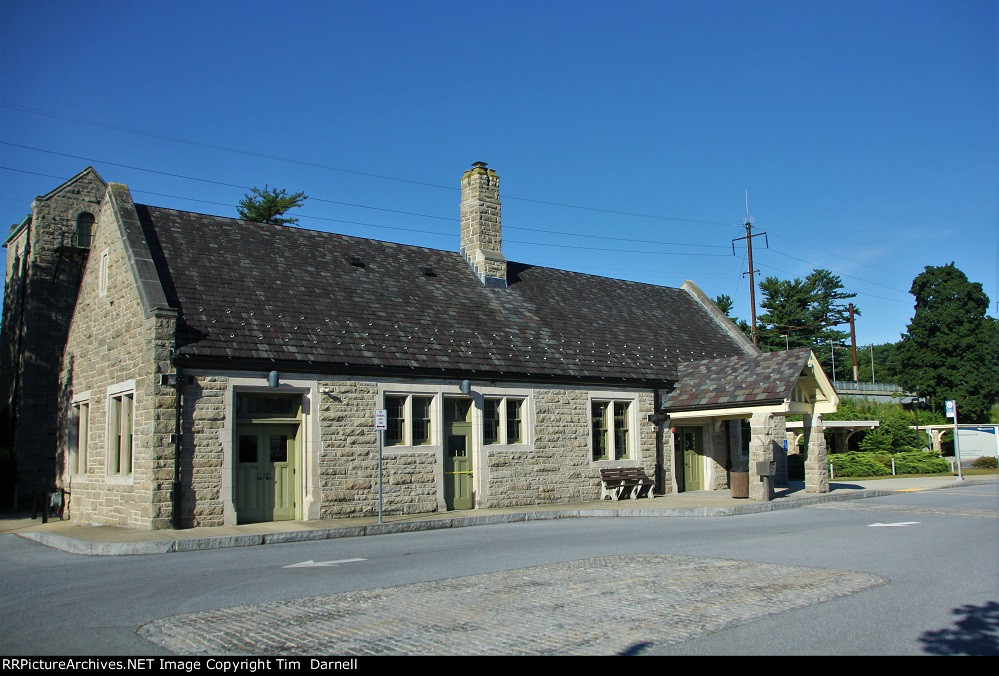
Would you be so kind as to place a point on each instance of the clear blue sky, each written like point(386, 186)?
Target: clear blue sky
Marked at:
point(626, 134)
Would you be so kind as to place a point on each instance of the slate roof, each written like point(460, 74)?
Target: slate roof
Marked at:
point(258, 293)
point(729, 381)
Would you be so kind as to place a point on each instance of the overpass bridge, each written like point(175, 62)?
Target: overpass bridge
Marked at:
point(887, 392)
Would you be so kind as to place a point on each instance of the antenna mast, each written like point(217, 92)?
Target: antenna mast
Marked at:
point(749, 255)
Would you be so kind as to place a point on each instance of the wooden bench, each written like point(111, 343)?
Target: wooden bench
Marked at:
point(625, 482)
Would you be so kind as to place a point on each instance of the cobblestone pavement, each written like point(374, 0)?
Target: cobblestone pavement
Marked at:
point(908, 509)
point(600, 606)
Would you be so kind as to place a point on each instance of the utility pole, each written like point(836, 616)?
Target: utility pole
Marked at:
point(853, 347)
point(749, 255)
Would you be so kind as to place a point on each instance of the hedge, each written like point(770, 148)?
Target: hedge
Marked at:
point(863, 463)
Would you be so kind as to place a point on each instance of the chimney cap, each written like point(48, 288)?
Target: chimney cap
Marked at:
point(479, 164)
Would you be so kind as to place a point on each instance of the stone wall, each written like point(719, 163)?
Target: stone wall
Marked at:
point(202, 425)
point(348, 461)
point(558, 467)
point(113, 341)
point(718, 455)
point(33, 340)
point(554, 466)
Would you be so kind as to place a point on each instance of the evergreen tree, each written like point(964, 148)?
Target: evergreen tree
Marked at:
point(725, 304)
point(788, 312)
point(828, 310)
point(269, 205)
point(951, 350)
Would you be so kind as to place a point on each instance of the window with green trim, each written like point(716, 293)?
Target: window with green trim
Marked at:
point(396, 409)
point(410, 420)
point(601, 443)
point(491, 421)
point(514, 421)
point(503, 420)
point(611, 429)
point(421, 420)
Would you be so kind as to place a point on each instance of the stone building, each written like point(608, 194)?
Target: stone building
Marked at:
point(214, 371)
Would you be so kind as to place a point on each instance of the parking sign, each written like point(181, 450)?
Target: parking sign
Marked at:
point(381, 419)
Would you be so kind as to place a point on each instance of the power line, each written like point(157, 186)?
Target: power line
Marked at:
point(317, 165)
point(329, 201)
point(802, 260)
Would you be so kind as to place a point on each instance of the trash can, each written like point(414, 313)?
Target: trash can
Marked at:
point(739, 480)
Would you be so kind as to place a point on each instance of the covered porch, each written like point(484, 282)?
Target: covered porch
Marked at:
point(729, 414)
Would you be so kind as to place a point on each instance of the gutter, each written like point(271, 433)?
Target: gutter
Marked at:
point(176, 494)
point(730, 404)
point(343, 369)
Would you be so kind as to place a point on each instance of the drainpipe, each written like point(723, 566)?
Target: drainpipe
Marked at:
point(660, 472)
point(176, 450)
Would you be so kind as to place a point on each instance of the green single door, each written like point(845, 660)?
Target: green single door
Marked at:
point(693, 458)
point(458, 454)
point(265, 472)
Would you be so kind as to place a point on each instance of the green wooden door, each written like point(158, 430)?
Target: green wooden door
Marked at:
point(693, 458)
point(265, 472)
point(458, 454)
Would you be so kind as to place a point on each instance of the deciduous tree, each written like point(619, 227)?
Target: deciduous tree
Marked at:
point(951, 350)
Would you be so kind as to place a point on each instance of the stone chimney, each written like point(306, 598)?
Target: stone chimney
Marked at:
point(481, 236)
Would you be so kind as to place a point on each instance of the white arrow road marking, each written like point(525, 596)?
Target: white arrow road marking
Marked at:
point(320, 564)
point(896, 525)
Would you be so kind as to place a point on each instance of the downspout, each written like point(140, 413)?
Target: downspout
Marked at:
point(660, 472)
point(176, 449)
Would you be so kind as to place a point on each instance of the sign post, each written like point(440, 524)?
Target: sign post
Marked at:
point(381, 424)
point(951, 411)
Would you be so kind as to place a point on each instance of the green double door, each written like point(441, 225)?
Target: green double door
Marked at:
point(691, 445)
point(265, 472)
point(458, 454)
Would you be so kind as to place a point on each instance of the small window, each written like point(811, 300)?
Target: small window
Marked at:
point(421, 420)
point(514, 421)
point(491, 421)
point(79, 435)
point(121, 408)
point(601, 444)
point(84, 230)
point(396, 409)
point(102, 280)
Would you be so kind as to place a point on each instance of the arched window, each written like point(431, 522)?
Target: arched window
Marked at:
point(84, 229)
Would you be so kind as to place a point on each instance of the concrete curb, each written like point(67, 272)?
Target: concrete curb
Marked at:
point(77, 546)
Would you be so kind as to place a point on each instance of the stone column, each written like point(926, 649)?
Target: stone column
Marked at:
point(779, 423)
point(937, 436)
point(716, 441)
point(816, 458)
point(763, 433)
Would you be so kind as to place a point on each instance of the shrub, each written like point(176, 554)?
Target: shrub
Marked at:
point(863, 463)
point(859, 463)
point(985, 462)
point(920, 462)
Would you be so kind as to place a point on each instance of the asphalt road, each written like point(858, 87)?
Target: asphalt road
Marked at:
point(816, 580)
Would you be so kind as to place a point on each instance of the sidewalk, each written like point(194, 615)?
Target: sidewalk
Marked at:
point(110, 541)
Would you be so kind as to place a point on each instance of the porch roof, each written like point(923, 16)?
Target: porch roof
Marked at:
point(790, 381)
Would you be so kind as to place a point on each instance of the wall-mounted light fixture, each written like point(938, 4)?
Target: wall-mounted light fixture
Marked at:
point(465, 387)
point(272, 379)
